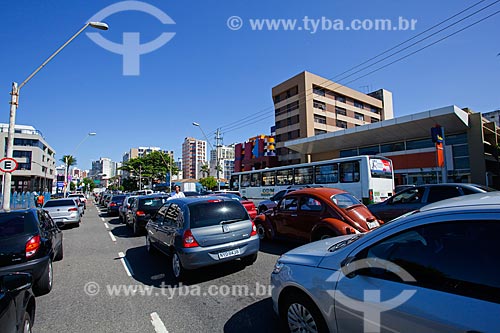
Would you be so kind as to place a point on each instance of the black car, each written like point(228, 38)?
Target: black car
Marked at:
point(114, 204)
point(141, 210)
point(17, 302)
point(416, 197)
point(29, 242)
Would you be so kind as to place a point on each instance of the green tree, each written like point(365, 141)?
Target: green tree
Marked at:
point(209, 182)
point(88, 184)
point(72, 186)
point(151, 168)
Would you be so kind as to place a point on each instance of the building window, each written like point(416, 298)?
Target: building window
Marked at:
point(340, 98)
point(349, 152)
point(319, 119)
point(286, 94)
point(456, 139)
point(374, 120)
point(340, 111)
point(341, 124)
point(319, 105)
point(390, 147)
point(374, 109)
point(372, 150)
point(358, 104)
point(319, 131)
point(419, 144)
point(359, 116)
point(318, 91)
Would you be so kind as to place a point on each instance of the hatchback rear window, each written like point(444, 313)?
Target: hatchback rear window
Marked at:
point(12, 224)
point(155, 202)
point(204, 214)
point(345, 200)
point(118, 198)
point(58, 203)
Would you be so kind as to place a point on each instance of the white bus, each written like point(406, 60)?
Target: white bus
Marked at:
point(369, 178)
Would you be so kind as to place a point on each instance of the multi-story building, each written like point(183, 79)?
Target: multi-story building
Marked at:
point(307, 105)
point(225, 160)
point(194, 155)
point(493, 116)
point(35, 157)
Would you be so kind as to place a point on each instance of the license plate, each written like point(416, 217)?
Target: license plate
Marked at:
point(227, 254)
point(372, 225)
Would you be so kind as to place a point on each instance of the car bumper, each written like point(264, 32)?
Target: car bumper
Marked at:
point(35, 267)
point(113, 210)
point(192, 258)
point(67, 219)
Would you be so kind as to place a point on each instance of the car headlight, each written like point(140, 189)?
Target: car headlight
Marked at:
point(278, 266)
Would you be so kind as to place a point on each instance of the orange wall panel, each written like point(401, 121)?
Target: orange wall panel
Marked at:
point(412, 161)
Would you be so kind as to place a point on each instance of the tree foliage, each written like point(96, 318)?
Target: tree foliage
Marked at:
point(152, 168)
point(209, 182)
point(205, 170)
point(88, 184)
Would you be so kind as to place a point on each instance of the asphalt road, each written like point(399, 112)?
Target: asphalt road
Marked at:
point(104, 264)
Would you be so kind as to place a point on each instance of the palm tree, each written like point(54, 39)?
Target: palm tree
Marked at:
point(68, 161)
point(205, 170)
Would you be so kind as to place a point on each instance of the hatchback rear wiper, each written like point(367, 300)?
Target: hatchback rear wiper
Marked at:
point(231, 221)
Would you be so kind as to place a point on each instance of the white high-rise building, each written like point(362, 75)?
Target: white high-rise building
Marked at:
point(226, 161)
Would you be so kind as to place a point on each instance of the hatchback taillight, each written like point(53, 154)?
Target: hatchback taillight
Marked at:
point(140, 213)
point(254, 230)
point(188, 239)
point(32, 245)
point(112, 204)
point(73, 209)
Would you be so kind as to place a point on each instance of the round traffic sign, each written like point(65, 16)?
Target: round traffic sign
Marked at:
point(8, 164)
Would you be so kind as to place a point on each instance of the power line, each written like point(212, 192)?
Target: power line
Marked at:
point(237, 124)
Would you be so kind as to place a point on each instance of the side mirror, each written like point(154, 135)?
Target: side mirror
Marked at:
point(16, 281)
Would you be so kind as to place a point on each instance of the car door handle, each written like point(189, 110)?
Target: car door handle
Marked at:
point(293, 215)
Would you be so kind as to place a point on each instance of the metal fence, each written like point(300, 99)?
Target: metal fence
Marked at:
point(23, 200)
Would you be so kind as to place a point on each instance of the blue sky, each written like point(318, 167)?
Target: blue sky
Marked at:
point(216, 76)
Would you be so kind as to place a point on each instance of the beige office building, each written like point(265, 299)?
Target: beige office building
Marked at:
point(307, 105)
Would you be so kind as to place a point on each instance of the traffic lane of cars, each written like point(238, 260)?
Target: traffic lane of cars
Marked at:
point(208, 312)
point(91, 259)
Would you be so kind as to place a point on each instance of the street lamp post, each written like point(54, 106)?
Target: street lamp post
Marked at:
point(14, 103)
point(66, 162)
point(217, 166)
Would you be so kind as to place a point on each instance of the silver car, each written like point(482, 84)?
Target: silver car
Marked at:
point(64, 211)
point(433, 270)
point(202, 231)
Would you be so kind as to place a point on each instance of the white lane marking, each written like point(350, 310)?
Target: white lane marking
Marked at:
point(125, 264)
point(103, 220)
point(158, 324)
point(112, 236)
point(106, 225)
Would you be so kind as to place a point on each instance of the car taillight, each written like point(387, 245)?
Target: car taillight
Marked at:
point(140, 213)
point(32, 246)
point(113, 204)
point(188, 239)
point(73, 209)
point(370, 195)
point(254, 230)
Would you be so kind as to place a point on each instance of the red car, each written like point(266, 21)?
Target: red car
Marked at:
point(249, 205)
point(315, 213)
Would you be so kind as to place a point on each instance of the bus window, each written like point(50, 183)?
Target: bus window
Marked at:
point(380, 168)
point(234, 183)
point(349, 172)
point(245, 180)
point(326, 174)
point(303, 176)
point(255, 179)
point(268, 178)
point(284, 177)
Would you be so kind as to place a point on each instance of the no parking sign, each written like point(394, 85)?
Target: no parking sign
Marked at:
point(8, 164)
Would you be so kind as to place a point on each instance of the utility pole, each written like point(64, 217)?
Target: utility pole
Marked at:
point(140, 177)
point(217, 165)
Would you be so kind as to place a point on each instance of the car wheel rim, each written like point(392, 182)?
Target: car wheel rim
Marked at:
point(261, 231)
point(27, 326)
point(300, 319)
point(176, 265)
point(50, 274)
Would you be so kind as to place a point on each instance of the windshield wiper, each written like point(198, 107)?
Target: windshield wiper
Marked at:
point(231, 221)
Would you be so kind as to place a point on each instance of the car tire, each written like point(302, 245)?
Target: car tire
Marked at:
point(249, 260)
point(44, 284)
point(135, 229)
point(299, 313)
point(261, 231)
point(150, 247)
point(26, 325)
point(60, 254)
point(179, 272)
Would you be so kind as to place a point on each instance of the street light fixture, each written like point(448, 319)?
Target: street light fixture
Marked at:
point(66, 162)
point(217, 166)
point(14, 103)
